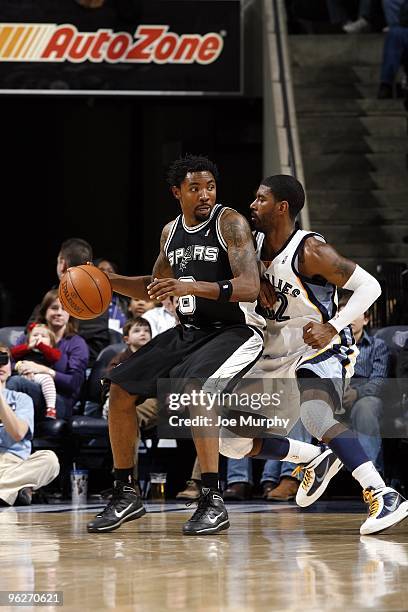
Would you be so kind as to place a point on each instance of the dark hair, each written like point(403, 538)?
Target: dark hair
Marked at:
point(48, 299)
point(76, 251)
point(179, 169)
point(286, 187)
point(139, 322)
point(99, 260)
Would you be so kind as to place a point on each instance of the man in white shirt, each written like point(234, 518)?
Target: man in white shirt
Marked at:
point(163, 317)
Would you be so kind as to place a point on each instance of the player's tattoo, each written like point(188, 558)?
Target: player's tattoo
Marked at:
point(241, 253)
point(343, 268)
point(321, 259)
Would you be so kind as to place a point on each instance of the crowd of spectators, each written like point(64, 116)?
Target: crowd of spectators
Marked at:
point(389, 17)
point(44, 376)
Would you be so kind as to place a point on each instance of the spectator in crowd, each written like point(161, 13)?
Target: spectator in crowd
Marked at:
point(119, 305)
point(392, 11)
point(76, 252)
point(69, 371)
point(362, 399)
point(277, 481)
point(39, 348)
point(137, 307)
point(339, 13)
point(164, 317)
point(20, 472)
point(395, 55)
point(136, 333)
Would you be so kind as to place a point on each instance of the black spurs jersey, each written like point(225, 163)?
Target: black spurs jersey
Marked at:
point(200, 253)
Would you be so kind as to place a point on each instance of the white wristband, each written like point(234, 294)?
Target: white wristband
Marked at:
point(366, 289)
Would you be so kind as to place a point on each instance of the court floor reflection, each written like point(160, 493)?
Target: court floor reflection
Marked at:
point(271, 559)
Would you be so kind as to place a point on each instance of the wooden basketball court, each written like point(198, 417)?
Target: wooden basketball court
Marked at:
point(274, 557)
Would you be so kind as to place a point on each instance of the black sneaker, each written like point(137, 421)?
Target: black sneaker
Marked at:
point(24, 497)
point(210, 517)
point(125, 505)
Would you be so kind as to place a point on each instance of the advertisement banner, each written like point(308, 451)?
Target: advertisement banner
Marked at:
point(187, 47)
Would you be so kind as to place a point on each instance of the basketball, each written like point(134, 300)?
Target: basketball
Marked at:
point(85, 292)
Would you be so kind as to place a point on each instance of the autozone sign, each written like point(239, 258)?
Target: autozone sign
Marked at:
point(34, 42)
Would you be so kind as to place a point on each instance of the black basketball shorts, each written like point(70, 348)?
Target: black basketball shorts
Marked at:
point(223, 354)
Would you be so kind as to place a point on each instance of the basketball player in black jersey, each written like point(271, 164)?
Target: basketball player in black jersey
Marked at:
point(207, 259)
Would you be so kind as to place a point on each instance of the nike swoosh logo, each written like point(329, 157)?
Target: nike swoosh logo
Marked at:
point(120, 514)
point(393, 507)
point(213, 520)
point(319, 480)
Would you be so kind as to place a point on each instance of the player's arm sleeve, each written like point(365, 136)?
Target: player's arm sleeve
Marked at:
point(380, 367)
point(366, 289)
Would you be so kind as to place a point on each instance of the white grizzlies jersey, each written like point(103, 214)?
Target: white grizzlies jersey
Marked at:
point(300, 300)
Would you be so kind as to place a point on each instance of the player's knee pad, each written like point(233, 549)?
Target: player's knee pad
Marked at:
point(317, 417)
point(234, 447)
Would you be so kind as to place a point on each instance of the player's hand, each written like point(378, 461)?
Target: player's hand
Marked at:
point(267, 296)
point(318, 335)
point(162, 288)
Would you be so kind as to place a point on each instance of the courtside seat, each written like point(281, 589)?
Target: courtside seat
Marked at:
point(89, 434)
point(10, 335)
point(395, 337)
point(53, 434)
point(98, 371)
point(83, 425)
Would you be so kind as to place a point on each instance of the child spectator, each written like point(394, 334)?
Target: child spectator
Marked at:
point(69, 371)
point(39, 348)
point(136, 333)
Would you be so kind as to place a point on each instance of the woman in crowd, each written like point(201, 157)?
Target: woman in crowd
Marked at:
point(68, 372)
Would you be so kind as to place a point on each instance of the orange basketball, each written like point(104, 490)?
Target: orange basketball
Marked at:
point(85, 292)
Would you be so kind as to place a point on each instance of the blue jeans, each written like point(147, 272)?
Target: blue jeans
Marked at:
point(392, 11)
point(33, 389)
point(240, 470)
point(395, 53)
point(339, 13)
point(365, 421)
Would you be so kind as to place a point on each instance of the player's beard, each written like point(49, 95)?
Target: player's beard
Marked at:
point(202, 216)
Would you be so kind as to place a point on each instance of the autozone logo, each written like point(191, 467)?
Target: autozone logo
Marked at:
point(33, 42)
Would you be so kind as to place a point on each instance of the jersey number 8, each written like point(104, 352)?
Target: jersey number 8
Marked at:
point(187, 303)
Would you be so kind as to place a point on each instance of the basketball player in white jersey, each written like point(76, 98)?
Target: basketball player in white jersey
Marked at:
point(206, 258)
point(308, 339)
